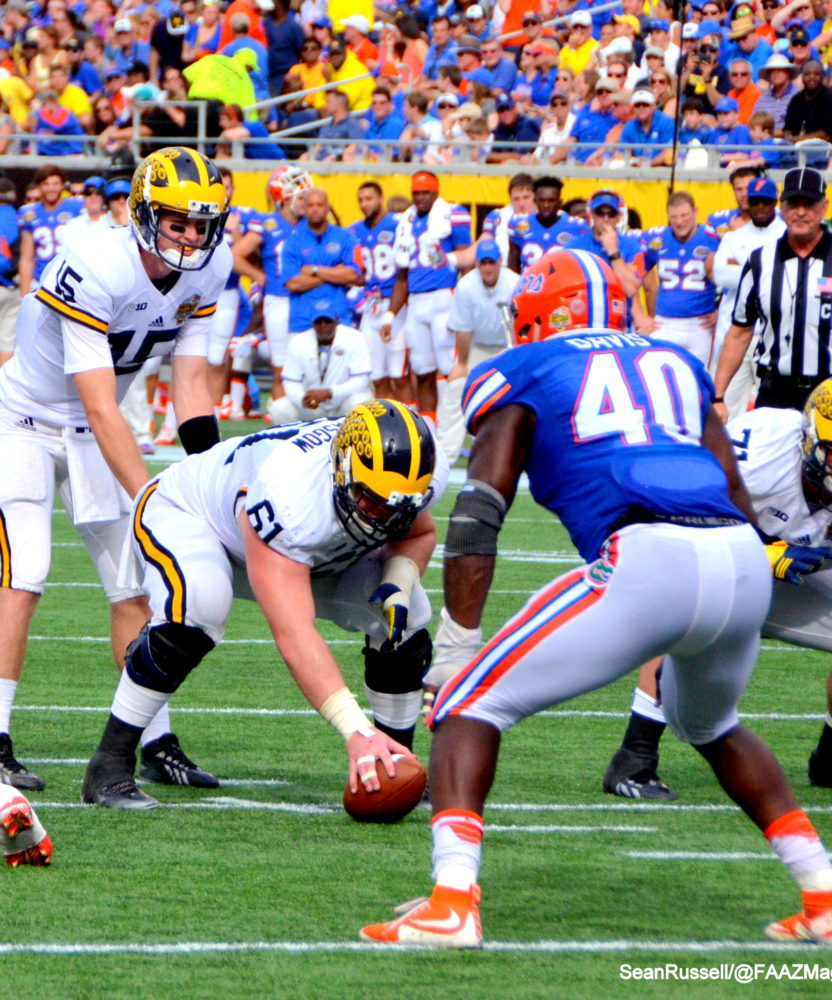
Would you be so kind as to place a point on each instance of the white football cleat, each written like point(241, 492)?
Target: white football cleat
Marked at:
point(23, 838)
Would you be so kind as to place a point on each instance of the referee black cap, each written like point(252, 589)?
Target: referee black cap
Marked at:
point(804, 182)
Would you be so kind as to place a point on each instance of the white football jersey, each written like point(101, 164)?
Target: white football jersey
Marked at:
point(283, 476)
point(97, 308)
point(767, 445)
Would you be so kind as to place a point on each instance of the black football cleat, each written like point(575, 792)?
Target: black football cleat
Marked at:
point(631, 776)
point(109, 782)
point(12, 772)
point(166, 763)
point(820, 770)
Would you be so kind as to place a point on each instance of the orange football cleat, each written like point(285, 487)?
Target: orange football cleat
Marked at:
point(23, 838)
point(450, 918)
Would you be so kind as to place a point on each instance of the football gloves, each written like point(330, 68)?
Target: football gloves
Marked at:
point(792, 562)
point(393, 594)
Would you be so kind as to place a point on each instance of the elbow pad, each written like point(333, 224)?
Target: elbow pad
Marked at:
point(475, 521)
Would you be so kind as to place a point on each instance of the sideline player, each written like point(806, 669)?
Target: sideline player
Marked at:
point(678, 284)
point(266, 238)
point(224, 324)
point(108, 301)
point(520, 202)
point(433, 244)
point(325, 519)
point(786, 462)
point(620, 440)
point(42, 224)
point(376, 234)
point(531, 236)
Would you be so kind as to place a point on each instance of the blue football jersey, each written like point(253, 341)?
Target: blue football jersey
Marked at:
point(720, 221)
point(684, 286)
point(618, 431)
point(533, 239)
point(377, 260)
point(246, 216)
point(274, 230)
point(490, 224)
point(428, 269)
point(46, 227)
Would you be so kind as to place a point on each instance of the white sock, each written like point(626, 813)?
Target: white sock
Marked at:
point(238, 393)
point(7, 693)
point(644, 704)
point(457, 848)
point(159, 725)
point(170, 416)
point(134, 704)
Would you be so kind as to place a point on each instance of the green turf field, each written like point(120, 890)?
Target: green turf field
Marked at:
point(257, 891)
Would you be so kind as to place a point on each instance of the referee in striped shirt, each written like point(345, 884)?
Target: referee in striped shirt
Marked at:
point(785, 290)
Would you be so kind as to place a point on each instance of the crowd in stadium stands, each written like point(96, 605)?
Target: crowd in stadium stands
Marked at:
point(431, 82)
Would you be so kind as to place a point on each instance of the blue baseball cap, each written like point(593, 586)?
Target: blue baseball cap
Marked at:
point(709, 27)
point(605, 199)
point(762, 187)
point(727, 104)
point(324, 309)
point(487, 250)
point(119, 185)
point(659, 24)
point(95, 182)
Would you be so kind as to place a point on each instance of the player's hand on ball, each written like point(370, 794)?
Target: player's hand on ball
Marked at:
point(363, 750)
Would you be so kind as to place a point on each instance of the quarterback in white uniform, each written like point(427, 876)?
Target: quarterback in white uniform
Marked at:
point(109, 301)
point(326, 519)
point(786, 462)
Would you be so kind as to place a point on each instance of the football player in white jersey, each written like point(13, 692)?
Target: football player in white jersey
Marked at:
point(786, 462)
point(107, 302)
point(326, 519)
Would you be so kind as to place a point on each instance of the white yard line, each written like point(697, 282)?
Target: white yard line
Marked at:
point(596, 947)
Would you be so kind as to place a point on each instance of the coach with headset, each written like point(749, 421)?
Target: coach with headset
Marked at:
point(785, 290)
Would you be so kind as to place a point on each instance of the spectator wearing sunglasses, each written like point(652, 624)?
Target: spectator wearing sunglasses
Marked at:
point(797, 14)
point(649, 130)
point(560, 120)
point(800, 50)
point(767, 9)
point(744, 91)
point(747, 44)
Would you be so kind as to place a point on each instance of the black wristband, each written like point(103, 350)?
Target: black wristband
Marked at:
point(719, 399)
point(199, 434)
point(615, 256)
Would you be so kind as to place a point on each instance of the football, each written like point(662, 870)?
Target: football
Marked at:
point(395, 799)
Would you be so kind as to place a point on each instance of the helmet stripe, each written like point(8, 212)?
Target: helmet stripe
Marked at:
point(413, 435)
point(598, 305)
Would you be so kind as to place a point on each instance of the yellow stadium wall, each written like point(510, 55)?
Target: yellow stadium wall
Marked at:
point(648, 197)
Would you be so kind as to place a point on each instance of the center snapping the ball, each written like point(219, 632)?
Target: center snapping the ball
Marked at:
point(395, 799)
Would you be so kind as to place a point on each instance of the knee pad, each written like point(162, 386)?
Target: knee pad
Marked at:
point(161, 657)
point(401, 670)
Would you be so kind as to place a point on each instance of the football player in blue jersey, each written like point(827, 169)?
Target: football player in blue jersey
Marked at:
point(266, 237)
point(42, 223)
point(530, 236)
point(228, 312)
point(376, 234)
point(520, 202)
point(725, 219)
point(432, 246)
point(619, 439)
point(679, 265)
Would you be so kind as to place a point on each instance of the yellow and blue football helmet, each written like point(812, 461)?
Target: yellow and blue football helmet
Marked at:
point(176, 179)
point(383, 460)
point(816, 445)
